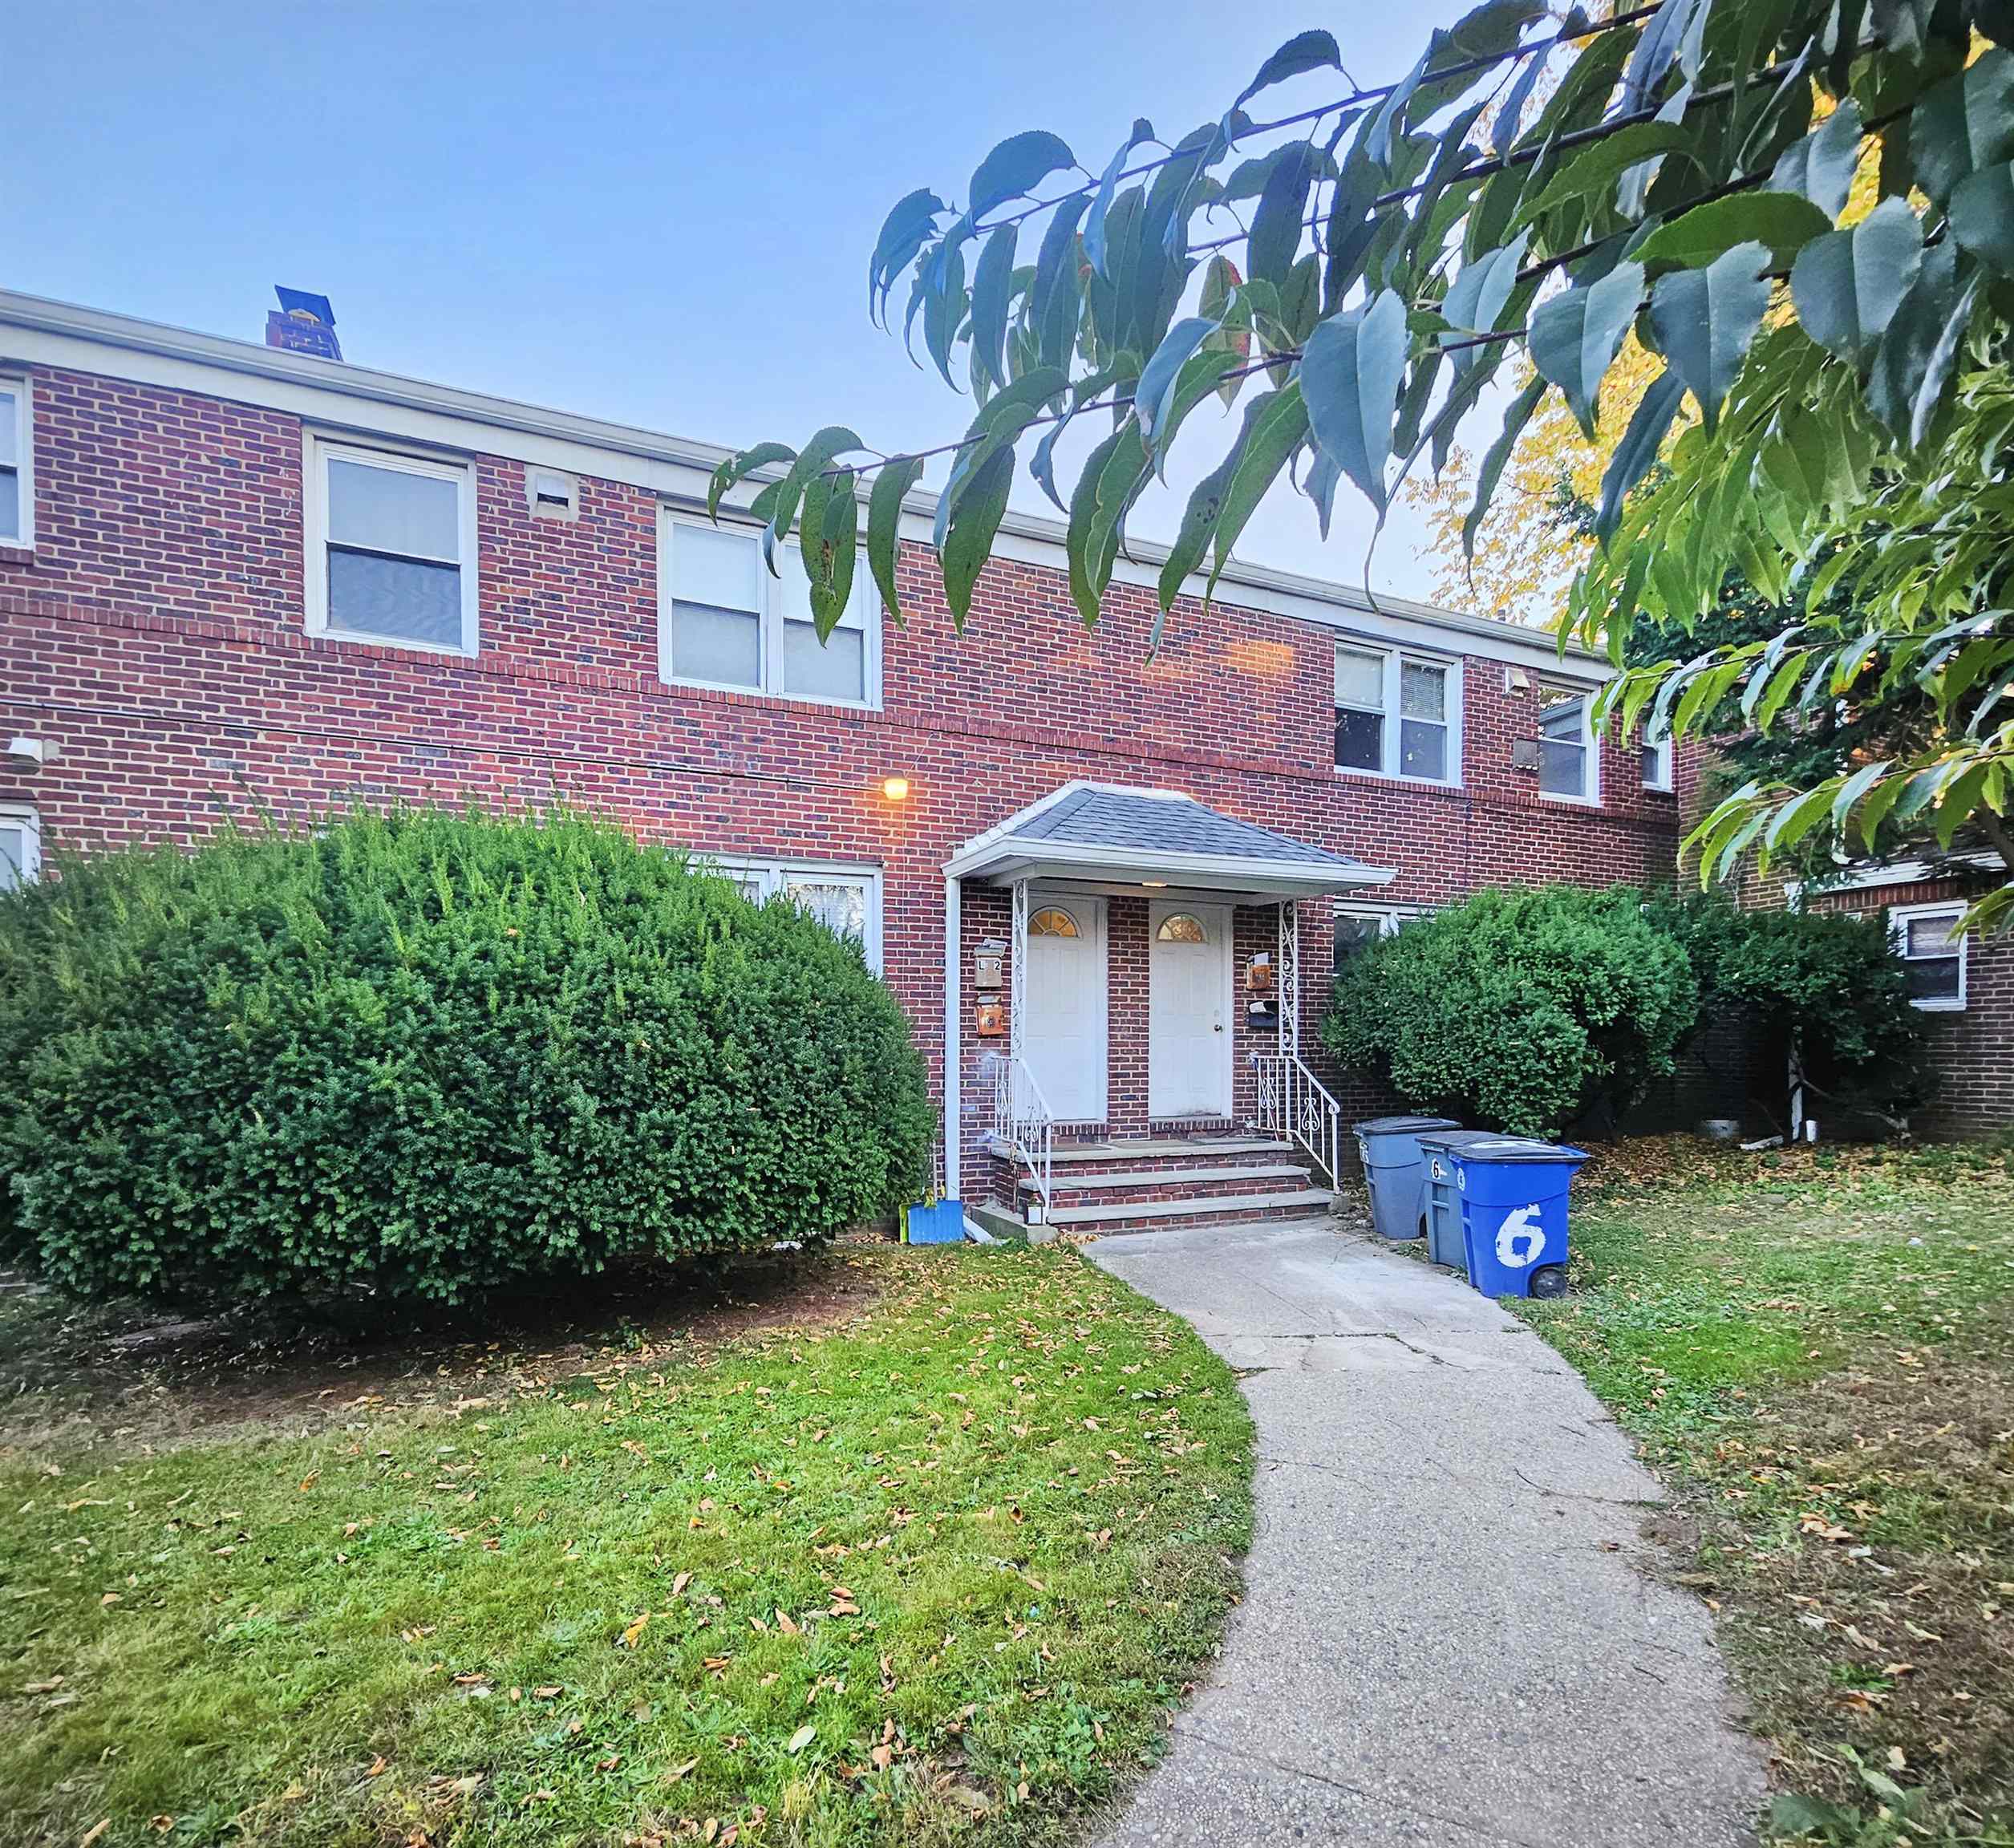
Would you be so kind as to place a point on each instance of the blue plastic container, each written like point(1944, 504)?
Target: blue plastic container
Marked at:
point(1513, 1191)
point(1395, 1171)
point(1441, 1194)
point(941, 1223)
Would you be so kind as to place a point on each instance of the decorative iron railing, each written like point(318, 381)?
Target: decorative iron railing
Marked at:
point(1022, 1120)
point(1293, 1103)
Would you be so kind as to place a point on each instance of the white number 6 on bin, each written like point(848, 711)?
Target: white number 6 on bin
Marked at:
point(1520, 1225)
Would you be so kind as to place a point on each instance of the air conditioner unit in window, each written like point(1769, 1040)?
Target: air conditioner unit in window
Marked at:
point(1524, 753)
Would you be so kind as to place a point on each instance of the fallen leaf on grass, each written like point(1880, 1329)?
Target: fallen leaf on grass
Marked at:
point(634, 1630)
point(802, 1737)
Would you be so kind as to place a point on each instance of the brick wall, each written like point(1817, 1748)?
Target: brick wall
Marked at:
point(156, 635)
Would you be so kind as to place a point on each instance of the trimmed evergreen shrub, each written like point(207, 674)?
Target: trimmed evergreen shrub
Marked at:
point(424, 1054)
point(1518, 1009)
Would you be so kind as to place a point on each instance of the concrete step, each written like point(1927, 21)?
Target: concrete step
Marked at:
point(1130, 1154)
point(1079, 1189)
point(1135, 1215)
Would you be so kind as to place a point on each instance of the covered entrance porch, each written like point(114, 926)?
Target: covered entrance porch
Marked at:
point(1124, 999)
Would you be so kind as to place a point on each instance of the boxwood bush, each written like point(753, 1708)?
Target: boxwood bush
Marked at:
point(422, 1055)
point(1518, 1009)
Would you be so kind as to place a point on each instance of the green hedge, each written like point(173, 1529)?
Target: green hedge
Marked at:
point(1518, 1009)
point(427, 1054)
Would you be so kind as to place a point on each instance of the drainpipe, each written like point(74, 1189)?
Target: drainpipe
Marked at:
point(953, 1059)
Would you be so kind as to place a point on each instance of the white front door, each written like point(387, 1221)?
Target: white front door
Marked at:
point(1063, 1031)
point(1188, 1025)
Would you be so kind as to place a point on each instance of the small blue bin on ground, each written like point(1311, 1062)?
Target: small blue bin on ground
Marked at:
point(1395, 1170)
point(1440, 1193)
point(1513, 1191)
point(941, 1222)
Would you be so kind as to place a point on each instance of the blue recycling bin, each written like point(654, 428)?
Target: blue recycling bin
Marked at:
point(1513, 1193)
point(1395, 1170)
point(1440, 1193)
point(937, 1222)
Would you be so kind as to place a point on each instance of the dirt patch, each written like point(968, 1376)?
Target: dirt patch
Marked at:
point(1876, 1612)
point(73, 1373)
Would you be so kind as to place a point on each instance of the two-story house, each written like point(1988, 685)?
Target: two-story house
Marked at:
point(1107, 883)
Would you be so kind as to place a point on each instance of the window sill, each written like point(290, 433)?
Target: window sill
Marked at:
point(20, 550)
point(1593, 802)
point(675, 685)
point(1939, 1006)
point(397, 644)
point(1397, 776)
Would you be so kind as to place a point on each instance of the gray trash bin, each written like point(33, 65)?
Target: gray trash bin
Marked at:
point(1440, 1193)
point(1395, 1170)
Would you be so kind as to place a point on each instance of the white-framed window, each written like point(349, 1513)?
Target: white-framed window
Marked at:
point(1933, 953)
point(1359, 926)
point(20, 846)
point(17, 463)
point(1657, 760)
point(725, 620)
point(1397, 714)
point(846, 899)
point(390, 548)
point(1567, 768)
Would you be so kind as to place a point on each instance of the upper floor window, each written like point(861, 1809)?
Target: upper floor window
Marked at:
point(20, 846)
point(1395, 715)
point(1566, 767)
point(17, 465)
point(728, 621)
point(1657, 759)
point(391, 550)
point(1933, 953)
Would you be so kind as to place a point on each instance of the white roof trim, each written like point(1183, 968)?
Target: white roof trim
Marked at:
point(1890, 873)
point(342, 396)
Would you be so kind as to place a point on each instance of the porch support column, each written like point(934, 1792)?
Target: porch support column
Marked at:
point(1017, 994)
point(1289, 982)
point(953, 1054)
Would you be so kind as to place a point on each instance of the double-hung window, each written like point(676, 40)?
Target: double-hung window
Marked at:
point(20, 846)
point(1657, 758)
point(1359, 926)
point(728, 621)
point(847, 900)
point(1567, 767)
point(17, 465)
point(1933, 953)
point(391, 548)
point(1395, 715)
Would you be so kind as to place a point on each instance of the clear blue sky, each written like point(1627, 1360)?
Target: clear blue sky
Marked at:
point(660, 214)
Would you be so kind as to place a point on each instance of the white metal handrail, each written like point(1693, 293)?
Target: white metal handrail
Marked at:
point(1294, 1103)
point(1022, 1120)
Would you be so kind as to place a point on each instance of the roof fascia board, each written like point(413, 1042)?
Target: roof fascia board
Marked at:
point(1004, 855)
point(334, 394)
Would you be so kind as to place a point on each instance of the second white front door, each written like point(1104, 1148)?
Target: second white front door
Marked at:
point(1189, 1026)
point(1063, 1036)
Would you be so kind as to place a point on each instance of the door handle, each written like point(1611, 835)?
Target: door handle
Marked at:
point(1216, 1026)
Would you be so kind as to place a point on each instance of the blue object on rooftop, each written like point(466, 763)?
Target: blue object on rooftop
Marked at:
point(300, 301)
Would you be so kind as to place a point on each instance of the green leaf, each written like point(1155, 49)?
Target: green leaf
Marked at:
point(1703, 321)
point(1982, 215)
point(992, 284)
point(1782, 221)
point(1276, 426)
point(904, 231)
point(1477, 297)
point(1574, 337)
point(1495, 458)
point(1912, 361)
point(1671, 33)
point(1305, 51)
point(885, 525)
point(739, 466)
point(1821, 166)
point(1350, 372)
point(973, 524)
point(832, 579)
point(1848, 284)
point(816, 457)
point(1094, 225)
point(1855, 786)
point(1963, 125)
point(1379, 127)
point(1113, 476)
point(1155, 393)
point(1275, 237)
point(1199, 520)
point(1015, 167)
point(1638, 447)
point(1595, 171)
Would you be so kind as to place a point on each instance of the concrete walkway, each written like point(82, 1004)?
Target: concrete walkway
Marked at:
point(1445, 1637)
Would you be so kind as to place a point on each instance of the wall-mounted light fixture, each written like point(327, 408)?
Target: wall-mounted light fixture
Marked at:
point(895, 788)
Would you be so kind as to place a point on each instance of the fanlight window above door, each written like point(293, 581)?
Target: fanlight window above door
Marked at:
point(1052, 921)
point(1179, 927)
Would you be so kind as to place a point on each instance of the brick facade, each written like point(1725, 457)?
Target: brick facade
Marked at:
point(155, 635)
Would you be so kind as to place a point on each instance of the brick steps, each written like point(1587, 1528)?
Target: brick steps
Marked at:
point(1240, 1208)
point(1137, 1182)
point(1090, 1190)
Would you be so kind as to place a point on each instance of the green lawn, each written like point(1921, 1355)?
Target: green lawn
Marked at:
point(933, 1574)
point(1817, 1352)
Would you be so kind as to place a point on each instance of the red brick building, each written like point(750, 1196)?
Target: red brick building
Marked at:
point(235, 575)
